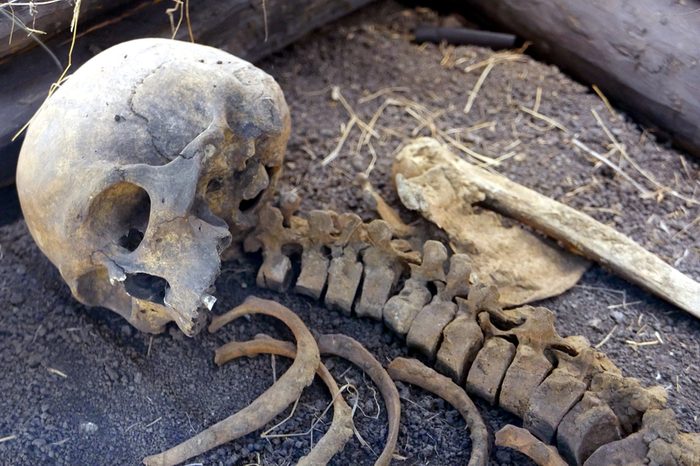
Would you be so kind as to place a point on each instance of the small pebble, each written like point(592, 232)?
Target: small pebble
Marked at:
point(618, 317)
point(16, 298)
point(595, 323)
point(87, 427)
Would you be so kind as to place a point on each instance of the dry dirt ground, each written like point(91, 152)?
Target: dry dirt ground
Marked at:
point(79, 386)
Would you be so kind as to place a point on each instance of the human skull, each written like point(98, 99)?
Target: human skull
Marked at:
point(143, 167)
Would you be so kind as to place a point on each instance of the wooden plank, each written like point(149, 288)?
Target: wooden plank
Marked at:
point(643, 54)
point(236, 26)
point(49, 18)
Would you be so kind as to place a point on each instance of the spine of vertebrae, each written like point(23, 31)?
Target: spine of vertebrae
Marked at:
point(567, 393)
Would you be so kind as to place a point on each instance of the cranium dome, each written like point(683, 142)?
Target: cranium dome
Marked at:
point(143, 167)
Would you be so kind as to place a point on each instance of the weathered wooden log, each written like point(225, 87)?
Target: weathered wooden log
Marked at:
point(579, 232)
point(48, 18)
point(241, 27)
point(642, 54)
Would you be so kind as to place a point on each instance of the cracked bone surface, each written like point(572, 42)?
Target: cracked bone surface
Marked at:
point(144, 167)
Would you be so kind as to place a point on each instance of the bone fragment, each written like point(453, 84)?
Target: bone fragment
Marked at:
point(590, 424)
point(523, 441)
point(580, 232)
point(427, 327)
point(658, 442)
point(268, 405)
point(314, 259)
point(345, 271)
point(385, 211)
point(341, 428)
point(350, 349)
point(489, 368)
point(402, 308)
point(381, 268)
point(461, 341)
point(414, 372)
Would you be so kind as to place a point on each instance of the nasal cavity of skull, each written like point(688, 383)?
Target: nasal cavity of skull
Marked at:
point(120, 214)
point(147, 287)
point(248, 204)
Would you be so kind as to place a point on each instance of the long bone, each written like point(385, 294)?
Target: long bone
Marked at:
point(515, 358)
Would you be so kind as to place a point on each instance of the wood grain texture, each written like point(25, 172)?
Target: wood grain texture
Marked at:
point(643, 54)
point(50, 19)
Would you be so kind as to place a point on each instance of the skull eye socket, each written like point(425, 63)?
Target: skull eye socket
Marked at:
point(120, 215)
point(214, 185)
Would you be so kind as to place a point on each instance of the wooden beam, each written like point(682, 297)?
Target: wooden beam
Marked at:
point(47, 19)
point(241, 27)
point(642, 54)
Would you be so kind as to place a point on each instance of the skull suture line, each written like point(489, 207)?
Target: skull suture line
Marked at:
point(144, 167)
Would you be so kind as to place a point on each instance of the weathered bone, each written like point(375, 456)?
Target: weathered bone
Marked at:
point(659, 442)
point(345, 271)
point(268, 405)
point(462, 338)
point(382, 265)
point(627, 398)
point(272, 235)
point(402, 308)
point(579, 231)
point(533, 328)
point(564, 387)
point(461, 341)
point(523, 441)
point(314, 258)
point(524, 266)
point(589, 425)
point(486, 374)
point(414, 372)
point(341, 428)
point(139, 172)
point(427, 327)
point(350, 349)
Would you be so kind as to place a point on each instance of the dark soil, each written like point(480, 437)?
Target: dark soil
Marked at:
point(80, 386)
